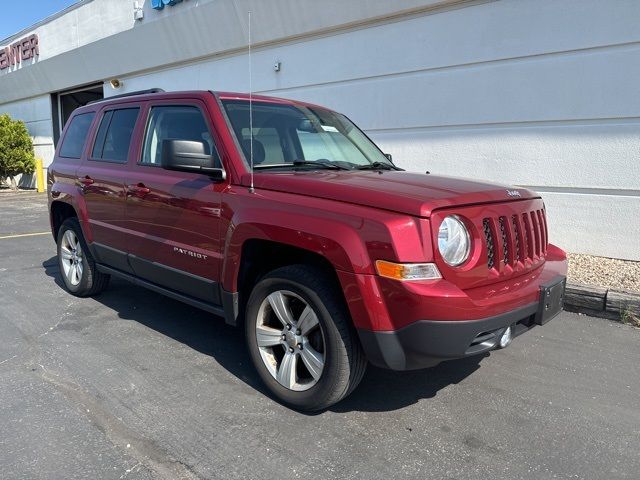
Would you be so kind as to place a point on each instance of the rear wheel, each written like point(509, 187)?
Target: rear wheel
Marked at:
point(78, 268)
point(300, 338)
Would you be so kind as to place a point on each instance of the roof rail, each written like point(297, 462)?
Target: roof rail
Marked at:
point(130, 94)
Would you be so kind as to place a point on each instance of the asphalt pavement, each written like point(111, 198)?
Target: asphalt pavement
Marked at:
point(131, 384)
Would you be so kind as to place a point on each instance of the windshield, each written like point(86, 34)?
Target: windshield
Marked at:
point(294, 136)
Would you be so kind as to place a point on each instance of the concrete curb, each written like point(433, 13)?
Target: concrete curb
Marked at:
point(613, 304)
point(8, 193)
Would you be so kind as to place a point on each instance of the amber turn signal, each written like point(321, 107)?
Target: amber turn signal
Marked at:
point(407, 271)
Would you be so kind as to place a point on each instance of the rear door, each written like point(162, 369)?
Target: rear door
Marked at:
point(102, 177)
point(174, 217)
point(69, 155)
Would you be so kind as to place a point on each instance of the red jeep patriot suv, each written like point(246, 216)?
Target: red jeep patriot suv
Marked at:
point(329, 254)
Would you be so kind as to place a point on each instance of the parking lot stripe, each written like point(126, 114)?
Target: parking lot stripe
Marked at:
point(24, 235)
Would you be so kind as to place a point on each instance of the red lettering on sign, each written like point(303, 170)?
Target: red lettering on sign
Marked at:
point(35, 47)
point(12, 54)
point(25, 46)
point(15, 53)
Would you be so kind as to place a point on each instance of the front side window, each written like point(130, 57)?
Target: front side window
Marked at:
point(76, 135)
point(174, 122)
point(114, 135)
point(286, 136)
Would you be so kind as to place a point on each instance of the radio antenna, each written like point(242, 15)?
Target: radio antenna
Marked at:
point(251, 189)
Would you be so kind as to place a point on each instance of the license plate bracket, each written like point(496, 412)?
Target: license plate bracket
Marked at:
point(551, 300)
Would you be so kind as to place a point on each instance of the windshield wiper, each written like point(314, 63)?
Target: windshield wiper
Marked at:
point(378, 166)
point(301, 163)
point(316, 163)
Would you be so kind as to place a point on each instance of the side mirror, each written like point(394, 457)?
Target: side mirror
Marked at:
point(389, 157)
point(189, 156)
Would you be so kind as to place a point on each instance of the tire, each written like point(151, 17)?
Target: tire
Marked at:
point(322, 346)
point(77, 267)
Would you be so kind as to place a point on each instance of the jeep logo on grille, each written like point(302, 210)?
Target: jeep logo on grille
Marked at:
point(513, 193)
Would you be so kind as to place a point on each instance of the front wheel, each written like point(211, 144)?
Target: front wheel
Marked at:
point(79, 272)
point(300, 338)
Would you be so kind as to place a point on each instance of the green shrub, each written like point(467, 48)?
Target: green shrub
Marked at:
point(16, 149)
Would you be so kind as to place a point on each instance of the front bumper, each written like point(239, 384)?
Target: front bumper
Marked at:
point(426, 343)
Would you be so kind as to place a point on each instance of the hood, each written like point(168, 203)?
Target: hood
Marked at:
point(404, 192)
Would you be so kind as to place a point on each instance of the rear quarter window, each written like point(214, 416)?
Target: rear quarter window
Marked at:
point(76, 136)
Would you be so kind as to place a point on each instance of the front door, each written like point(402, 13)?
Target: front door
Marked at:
point(173, 218)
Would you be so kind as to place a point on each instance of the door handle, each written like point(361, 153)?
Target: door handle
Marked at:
point(138, 189)
point(86, 180)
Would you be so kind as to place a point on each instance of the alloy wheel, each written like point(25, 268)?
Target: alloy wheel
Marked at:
point(290, 340)
point(71, 258)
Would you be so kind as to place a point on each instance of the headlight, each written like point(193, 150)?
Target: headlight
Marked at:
point(454, 242)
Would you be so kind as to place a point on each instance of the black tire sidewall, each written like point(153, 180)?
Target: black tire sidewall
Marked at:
point(316, 396)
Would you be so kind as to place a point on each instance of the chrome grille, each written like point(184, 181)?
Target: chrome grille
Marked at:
point(523, 238)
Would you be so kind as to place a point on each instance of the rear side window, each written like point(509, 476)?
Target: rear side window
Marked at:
point(76, 135)
point(114, 135)
point(174, 122)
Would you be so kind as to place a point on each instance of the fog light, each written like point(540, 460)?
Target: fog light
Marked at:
point(506, 338)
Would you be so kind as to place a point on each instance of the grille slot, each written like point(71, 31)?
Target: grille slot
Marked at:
point(543, 230)
point(488, 236)
point(526, 221)
point(524, 238)
point(536, 232)
point(505, 243)
point(516, 239)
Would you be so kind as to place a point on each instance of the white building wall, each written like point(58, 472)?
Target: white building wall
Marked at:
point(77, 26)
point(73, 28)
point(537, 93)
point(541, 94)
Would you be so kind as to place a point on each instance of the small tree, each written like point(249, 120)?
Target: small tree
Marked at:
point(16, 149)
